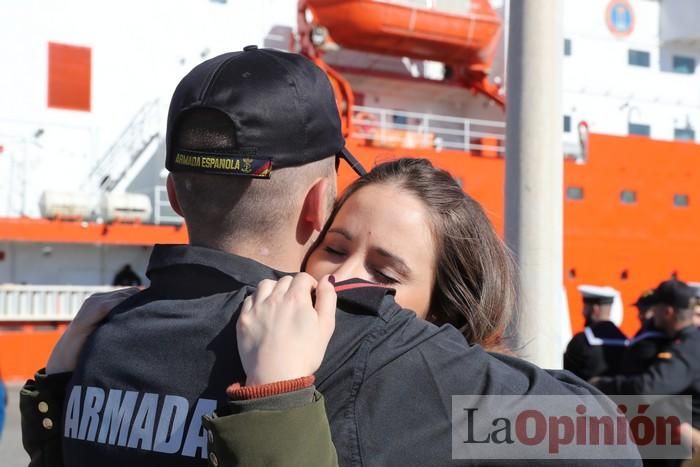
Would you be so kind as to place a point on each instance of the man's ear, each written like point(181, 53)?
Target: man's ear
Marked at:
point(172, 195)
point(314, 211)
point(669, 312)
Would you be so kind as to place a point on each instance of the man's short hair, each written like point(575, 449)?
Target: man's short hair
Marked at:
point(224, 205)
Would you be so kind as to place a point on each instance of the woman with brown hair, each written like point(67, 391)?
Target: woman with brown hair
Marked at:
point(409, 226)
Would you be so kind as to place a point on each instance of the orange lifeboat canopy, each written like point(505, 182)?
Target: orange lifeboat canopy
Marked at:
point(423, 30)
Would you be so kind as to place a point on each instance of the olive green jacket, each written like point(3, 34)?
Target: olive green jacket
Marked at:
point(286, 430)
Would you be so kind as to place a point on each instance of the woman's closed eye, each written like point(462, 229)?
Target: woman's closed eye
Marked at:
point(334, 251)
point(382, 277)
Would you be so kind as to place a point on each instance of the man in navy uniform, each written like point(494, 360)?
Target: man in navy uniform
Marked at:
point(648, 342)
point(252, 143)
point(677, 369)
point(599, 348)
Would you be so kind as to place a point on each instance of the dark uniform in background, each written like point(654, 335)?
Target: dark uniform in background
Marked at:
point(675, 370)
point(599, 349)
point(126, 277)
point(648, 342)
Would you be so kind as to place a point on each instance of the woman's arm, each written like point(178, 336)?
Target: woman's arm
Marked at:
point(289, 429)
point(277, 418)
point(41, 399)
point(282, 339)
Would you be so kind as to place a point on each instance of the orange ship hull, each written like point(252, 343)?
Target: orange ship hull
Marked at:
point(631, 247)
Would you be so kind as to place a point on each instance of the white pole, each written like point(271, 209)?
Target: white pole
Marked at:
point(534, 173)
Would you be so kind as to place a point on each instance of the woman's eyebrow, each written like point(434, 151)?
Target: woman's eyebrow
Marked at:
point(341, 231)
point(399, 264)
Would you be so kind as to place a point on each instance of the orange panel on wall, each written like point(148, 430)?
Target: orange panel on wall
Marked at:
point(70, 69)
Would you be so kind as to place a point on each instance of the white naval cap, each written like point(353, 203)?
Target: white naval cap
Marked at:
point(597, 294)
point(604, 295)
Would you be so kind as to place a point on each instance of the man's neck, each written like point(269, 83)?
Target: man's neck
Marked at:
point(281, 257)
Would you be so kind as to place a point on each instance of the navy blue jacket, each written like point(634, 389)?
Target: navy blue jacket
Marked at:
point(165, 357)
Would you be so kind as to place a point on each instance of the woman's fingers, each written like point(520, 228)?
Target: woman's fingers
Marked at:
point(281, 288)
point(326, 301)
point(263, 291)
point(301, 289)
point(97, 306)
point(114, 298)
point(282, 334)
point(64, 355)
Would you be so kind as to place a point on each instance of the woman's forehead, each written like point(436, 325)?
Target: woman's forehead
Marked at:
point(388, 217)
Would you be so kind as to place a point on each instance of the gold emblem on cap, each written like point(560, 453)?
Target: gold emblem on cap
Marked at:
point(247, 166)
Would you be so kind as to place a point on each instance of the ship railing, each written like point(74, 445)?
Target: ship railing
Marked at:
point(44, 303)
point(162, 211)
point(389, 128)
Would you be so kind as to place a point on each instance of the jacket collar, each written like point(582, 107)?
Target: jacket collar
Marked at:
point(244, 270)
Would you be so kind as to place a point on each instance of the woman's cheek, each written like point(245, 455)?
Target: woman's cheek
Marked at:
point(315, 266)
point(410, 297)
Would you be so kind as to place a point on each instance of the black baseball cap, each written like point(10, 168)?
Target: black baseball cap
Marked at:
point(645, 300)
point(281, 106)
point(673, 293)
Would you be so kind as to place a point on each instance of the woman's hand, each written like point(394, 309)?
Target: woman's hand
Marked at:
point(64, 356)
point(282, 334)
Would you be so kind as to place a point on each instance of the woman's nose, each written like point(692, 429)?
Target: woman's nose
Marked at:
point(351, 268)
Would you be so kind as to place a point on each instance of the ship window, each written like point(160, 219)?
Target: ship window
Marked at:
point(574, 192)
point(638, 58)
point(628, 197)
point(681, 200)
point(567, 123)
point(684, 134)
point(567, 47)
point(638, 129)
point(685, 65)
point(399, 119)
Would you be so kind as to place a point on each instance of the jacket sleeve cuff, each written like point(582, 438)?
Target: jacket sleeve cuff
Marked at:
point(41, 407)
point(236, 392)
point(286, 401)
point(301, 436)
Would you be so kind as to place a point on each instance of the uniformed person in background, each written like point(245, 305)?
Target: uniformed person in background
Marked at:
point(645, 314)
point(648, 341)
point(696, 308)
point(677, 369)
point(599, 348)
point(126, 277)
